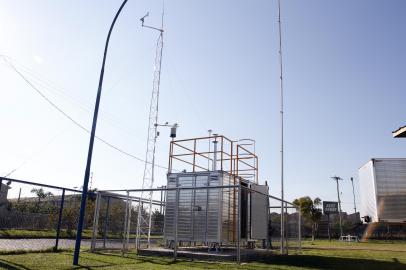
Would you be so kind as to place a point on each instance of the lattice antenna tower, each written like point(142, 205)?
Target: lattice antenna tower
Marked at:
point(145, 203)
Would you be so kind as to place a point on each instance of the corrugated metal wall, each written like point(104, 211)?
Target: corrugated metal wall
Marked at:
point(391, 189)
point(383, 190)
point(204, 215)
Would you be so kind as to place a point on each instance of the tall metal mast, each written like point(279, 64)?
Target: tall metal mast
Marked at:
point(144, 221)
point(283, 249)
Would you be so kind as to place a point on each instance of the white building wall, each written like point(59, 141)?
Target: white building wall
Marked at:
point(367, 191)
point(383, 190)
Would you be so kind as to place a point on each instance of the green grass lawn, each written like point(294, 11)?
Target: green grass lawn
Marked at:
point(318, 255)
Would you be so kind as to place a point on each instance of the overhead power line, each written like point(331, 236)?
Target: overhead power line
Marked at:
point(50, 102)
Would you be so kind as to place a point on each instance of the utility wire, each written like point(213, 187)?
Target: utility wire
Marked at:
point(46, 84)
point(33, 155)
point(70, 118)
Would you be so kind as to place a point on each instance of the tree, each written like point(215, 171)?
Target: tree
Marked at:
point(157, 222)
point(310, 210)
point(41, 194)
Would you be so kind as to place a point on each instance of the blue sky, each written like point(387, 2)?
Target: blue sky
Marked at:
point(344, 66)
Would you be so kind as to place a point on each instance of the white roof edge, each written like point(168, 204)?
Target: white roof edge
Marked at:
point(371, 159)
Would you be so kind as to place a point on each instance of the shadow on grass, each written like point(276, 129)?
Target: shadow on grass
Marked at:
point(323, 262)
point(11, 266)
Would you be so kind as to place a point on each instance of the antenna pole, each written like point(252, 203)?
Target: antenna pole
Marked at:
point(283, 248)
point(144, 222)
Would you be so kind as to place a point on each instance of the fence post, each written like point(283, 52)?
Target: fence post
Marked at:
point(175, 245)
point(127, 240)
point(286, 228)
point(125, 225)
point(58, 229)
point(239, 225)
point(300, 231)
point(106, 220)
point(160, 206)
point(95, 221)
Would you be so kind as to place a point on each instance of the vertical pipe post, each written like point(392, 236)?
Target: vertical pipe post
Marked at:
point(215, 153)
point(328, 227)
point(221, 154)
point(194, 155)
point(165, 194)
point(339, 206)
point(300, 231)
point(234, 193)
point(125, 225)
point(95, 221)
point(175, 244)
point(106, 221)
point(160, 205)
point(239, 225)
point(208, 155)
point(286, 226)
point(58, 229)
point(231, 158)
point(207, 208)
point(127, 240)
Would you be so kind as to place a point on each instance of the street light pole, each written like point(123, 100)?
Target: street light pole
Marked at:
point(353, 194)
point(336, 178)
point(91, 143)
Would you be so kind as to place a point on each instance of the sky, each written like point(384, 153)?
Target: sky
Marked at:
point(344, 87)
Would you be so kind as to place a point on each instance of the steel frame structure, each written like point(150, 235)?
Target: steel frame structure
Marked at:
point(227, 155)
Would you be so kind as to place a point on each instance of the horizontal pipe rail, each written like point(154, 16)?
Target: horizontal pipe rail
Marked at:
point(192, 188)
point(38, 184)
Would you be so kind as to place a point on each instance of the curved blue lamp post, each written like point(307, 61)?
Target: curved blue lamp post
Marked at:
point(90, 152)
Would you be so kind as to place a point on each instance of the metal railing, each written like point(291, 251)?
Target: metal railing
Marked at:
point(35, 216)
point(183, 239)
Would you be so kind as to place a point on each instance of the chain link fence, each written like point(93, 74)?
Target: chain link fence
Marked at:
point(220, 223)
point(36, 216)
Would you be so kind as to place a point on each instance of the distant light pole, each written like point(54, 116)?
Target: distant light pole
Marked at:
point(90, 152)
point(336, 178)
point(353, 194)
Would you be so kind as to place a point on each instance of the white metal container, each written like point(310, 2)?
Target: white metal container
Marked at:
point(383, 189)
point(211, 214)
point(206, 215)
